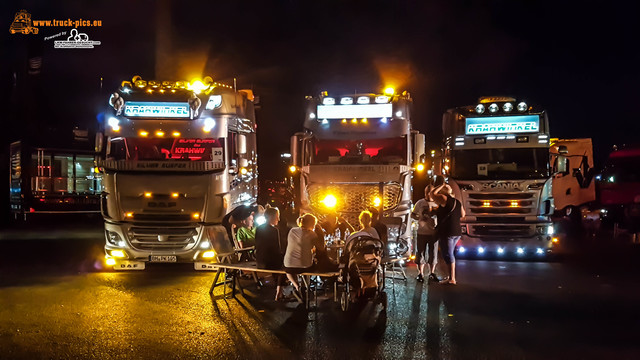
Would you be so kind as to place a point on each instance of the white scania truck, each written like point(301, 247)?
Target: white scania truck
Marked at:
point(496, 157)
point(359, 151)
point(178, 156)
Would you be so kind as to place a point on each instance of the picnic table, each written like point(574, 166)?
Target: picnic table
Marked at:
point(232, 271)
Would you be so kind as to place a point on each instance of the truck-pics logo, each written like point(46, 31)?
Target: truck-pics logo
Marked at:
point(22, 24)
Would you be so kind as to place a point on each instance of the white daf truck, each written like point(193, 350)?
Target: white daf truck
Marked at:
point(178, 156)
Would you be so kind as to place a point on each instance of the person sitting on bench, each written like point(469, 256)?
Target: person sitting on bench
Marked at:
point(299, 255)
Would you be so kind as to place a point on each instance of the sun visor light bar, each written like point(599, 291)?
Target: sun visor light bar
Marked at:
point(157, 109)
point(355, 111)
point(503, 125)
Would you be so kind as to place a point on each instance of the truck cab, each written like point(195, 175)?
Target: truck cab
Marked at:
point(358, 151)
point(496, 158)
point(178, 156)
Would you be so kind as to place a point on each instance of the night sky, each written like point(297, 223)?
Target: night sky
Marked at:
point(578, 61)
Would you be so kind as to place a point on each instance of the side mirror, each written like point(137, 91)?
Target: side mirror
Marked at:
point(241, 144)
point(418, 147)
point(99, 142)
point(562, 164)
point(296, 149)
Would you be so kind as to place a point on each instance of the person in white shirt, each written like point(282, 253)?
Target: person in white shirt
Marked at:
point(299, 255)
point(424, 212)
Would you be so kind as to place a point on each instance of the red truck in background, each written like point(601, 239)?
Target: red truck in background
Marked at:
point(619, 189)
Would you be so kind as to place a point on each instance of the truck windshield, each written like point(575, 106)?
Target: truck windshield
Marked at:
point(166, 149)
point(498, 164)
point(370, 151)
point(622, 170)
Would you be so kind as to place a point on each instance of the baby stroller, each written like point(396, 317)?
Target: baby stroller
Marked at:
point(361, 270)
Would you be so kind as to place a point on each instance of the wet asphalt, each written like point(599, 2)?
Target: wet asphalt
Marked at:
point(56, 301)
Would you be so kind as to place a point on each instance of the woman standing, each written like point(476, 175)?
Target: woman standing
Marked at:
point(448, 229)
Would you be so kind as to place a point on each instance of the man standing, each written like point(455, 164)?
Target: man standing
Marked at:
point(424, 212)
point(268, 252)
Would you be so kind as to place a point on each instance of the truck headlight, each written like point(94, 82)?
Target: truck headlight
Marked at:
point(550, 230)
point(260, 219)
point(114, 123)
point(329, 201)
point(113, 238)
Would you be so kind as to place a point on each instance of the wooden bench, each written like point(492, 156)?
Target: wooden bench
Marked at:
point(234, 269)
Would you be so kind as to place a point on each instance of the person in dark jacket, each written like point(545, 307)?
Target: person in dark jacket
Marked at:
point(333, 223)
point(268, 249)
point(448, 229)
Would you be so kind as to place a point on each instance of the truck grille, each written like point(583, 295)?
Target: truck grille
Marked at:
point(520, 203)
point(353, 198)
point(165, 232)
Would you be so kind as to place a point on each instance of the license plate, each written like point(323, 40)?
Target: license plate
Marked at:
point(203, 266)
point(129, 265)
point(163, 258)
